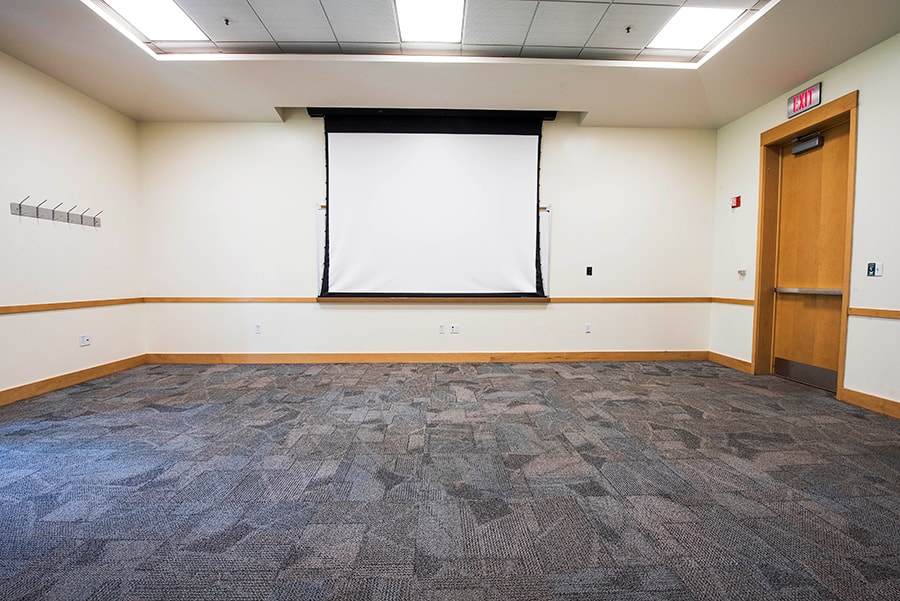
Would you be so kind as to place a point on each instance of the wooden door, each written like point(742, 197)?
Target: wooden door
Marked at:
point(809, 278)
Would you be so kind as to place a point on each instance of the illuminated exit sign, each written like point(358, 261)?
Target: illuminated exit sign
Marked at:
point(809, 98)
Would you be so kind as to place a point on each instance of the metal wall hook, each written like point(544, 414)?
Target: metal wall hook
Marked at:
point(20, 209)
point(37, 211)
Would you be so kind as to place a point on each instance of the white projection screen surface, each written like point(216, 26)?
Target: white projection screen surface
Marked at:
point(432, 214)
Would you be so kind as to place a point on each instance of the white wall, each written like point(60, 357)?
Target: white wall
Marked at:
point(60, 145)
point(633, 203)
point(230, 210)
point(876, 75)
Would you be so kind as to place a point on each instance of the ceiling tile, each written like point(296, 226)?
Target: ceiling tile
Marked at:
point(564, 23)
point(644, 20)
point(363, 21)
point(210, 15)
point(294, 21)
point(503, 22)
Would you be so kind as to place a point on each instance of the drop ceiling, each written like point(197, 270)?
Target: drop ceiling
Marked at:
point(610, 30)
point(562, 55)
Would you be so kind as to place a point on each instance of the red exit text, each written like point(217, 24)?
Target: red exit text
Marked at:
point(805, 100)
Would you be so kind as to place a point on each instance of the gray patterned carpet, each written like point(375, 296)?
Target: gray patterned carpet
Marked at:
point(637, 481)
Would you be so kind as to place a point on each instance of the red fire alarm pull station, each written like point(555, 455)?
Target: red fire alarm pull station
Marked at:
point(735, 202)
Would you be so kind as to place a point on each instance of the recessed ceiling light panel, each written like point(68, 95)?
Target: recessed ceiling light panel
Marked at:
point(693, 28)
point(431, 21)
point(158, 20)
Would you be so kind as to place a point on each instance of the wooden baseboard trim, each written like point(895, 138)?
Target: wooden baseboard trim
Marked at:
point(25, 391)
point(870, 402)
point(494, 357)
point(737, 364)
point(11, 395)
point(597, 356)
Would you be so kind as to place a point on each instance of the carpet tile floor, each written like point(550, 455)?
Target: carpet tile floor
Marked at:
point(481, 482)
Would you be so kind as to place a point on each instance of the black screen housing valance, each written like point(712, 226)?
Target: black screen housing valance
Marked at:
point(449, 121)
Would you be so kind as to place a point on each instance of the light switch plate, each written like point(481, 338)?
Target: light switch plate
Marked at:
point(875, 269)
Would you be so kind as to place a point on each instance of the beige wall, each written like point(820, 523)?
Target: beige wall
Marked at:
point(230, 210)
point(60, 145)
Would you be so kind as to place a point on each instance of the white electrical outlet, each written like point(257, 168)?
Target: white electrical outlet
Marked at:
point(454, 328)
point(587, 328)
point(441, 329)
point(84, 340)
point(258, 329)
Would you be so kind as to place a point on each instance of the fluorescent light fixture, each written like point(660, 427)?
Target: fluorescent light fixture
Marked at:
point(693, 28)
point(158, 20)
point(430, 20)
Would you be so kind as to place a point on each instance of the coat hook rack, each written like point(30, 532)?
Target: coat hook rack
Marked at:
point(39, 212)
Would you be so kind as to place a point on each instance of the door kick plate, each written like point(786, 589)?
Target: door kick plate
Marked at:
point(806, 374)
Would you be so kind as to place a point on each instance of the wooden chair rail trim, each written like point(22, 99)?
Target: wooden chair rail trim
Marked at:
point(62, 306)
point(879, 313)
point(429, 300)
point(614, 300)
point(599, 300)
point(229, 299)
point(748, 302)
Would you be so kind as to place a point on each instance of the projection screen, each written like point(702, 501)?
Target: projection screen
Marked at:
point(420, 208)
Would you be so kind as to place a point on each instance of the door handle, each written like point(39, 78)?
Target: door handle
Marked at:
point(820, 291)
